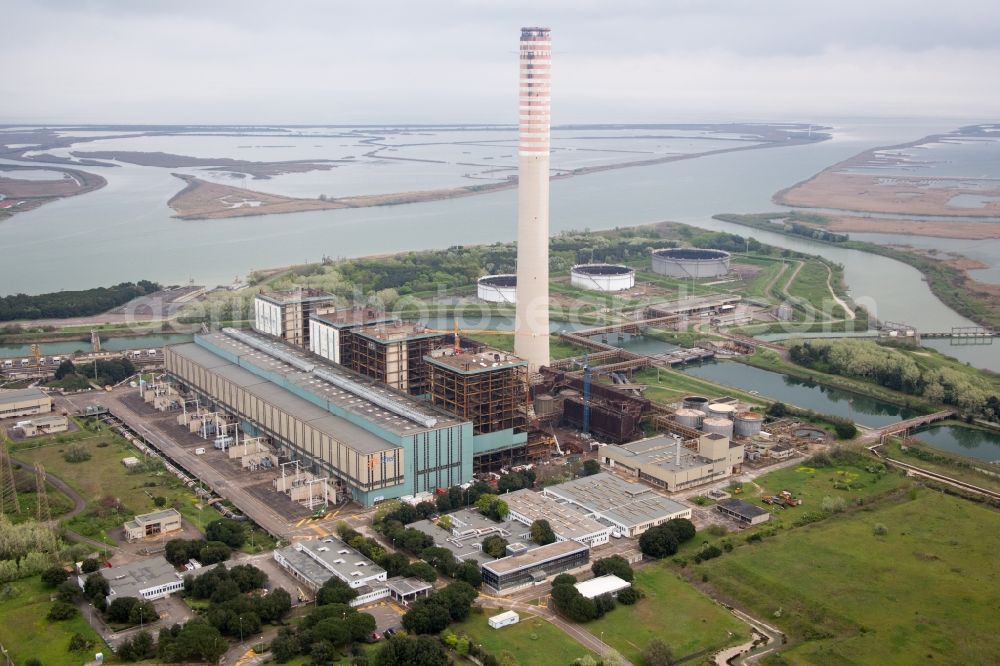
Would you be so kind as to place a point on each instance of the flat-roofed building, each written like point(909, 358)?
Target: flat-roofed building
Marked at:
point(504, 619)
point(468, 529)
point(148, 579)
point(595, 587)
point(567, 521)
point(23, 402)
point(153, 524)
point(632, 508)
point(375, 442)
point(285, 314)
point(743, 512)
point(329, 334)
point(393, 353)
point(316, 561)
point(534, 566)
point(488, 387)
point(44, 425)
point(663, 462)
point(407, 590)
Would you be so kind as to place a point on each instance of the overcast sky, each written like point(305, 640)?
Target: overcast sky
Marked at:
point(432, 61)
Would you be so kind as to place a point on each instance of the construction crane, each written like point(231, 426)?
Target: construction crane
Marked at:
point(36, 354)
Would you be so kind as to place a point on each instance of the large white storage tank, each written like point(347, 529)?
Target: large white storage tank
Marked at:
point(690, 418)
point(718, 425)
point(602, 277)
point(698, 402)
point(747, 424)
point(497, 288)
point(690, 262)
point(722, 410)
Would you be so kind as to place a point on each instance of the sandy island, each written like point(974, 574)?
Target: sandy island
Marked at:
point(18, 195)
point(958, 229)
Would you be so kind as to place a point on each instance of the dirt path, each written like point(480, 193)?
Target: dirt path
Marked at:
point(841, 302)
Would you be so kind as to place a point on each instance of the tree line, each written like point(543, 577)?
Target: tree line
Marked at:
point(83, 303)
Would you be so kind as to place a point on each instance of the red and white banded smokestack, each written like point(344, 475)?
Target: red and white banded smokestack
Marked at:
point(531, 325)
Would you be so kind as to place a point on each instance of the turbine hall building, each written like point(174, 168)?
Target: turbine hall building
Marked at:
point(376, 443)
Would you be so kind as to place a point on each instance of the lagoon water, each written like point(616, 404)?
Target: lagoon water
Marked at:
point(125, 231)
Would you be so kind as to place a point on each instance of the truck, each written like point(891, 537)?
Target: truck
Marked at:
point(151, 352)
point(200, 451)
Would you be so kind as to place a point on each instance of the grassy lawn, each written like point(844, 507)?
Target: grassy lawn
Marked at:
point(103, 476)
point(673, 611)
point(852, 483)
point(25, 631)
point(926, 592)
point(532, 640)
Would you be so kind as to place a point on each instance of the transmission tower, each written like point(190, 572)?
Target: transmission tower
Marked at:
point(44, 514)
point(8, 487)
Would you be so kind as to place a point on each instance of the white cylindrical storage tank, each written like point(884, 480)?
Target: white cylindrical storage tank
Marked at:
point(722, 410)
point(602, 277)
point(690, 418)
point(717, 425)
point(690, 262)
point(698, 402)
point(747, 424)
point(497, 288)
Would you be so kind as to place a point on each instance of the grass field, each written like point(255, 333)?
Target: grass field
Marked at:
point(926, 592)
point(970, 470)
point(853, 483)
point(670, 385)
point(673, 611)
point(103, 476)
point(531, 641)
point(25, 631)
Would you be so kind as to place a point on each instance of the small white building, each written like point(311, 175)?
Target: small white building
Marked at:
point(595, 587)
point(504, 619)
point(315, 561)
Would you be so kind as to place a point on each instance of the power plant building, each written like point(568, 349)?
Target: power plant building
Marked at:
point(393, 353)
point(24, 402)
point(374, 442)
point(532, 308)
point(329, 334)
point(488, 387)
point(662, 461)
point(285, 314)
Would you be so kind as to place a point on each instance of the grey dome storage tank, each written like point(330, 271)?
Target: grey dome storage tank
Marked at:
point(698, 402)
point(690, 262)
point(689, 418)
point(545, 406)
point(717, 425)
point(747, 424)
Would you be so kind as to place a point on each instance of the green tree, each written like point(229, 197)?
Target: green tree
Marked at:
point(54, 576)
point(411, 651)
point(65, 368)
point(541, 532)
point(657, 653)
point(285, 645)
point(76, 453)
point(120, 608)
point(213, 552)
point(335, 591)
point(658, 542)
point(614, 565)
point(89, 565)
point(226, 530)
point(80, 642)
point(495, 545)
point(62, 611)
point(682, 528)
point(591, 467)
point(96, 584)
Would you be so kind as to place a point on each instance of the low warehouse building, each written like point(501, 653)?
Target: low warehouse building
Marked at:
point(23, 402)
point(153, 524)
point(407, 590)
point(595, 587)
point(316, 561)
point(632, 508)
point(742, 511)
point(663, 462)
point(534, 566)
point(150, 579)
point(44, 425)
point(567, 521)
point(504, 619)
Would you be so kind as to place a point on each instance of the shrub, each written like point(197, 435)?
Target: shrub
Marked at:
point(76, 453)
point(89, 565)
point(54, 576)
point(62, 611)
point(880, 529)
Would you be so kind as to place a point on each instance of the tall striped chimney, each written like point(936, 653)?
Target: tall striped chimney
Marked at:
point(531, 325)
